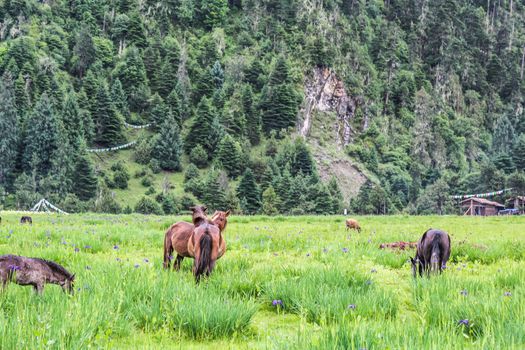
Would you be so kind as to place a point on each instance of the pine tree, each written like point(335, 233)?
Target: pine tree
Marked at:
point(201, 129)
point(168, 74)
point(132, 75)
point(174, 102)
point(9, 132)
point(168, 149)
point(335, 193)
point(270, 202)
point(109, 125)
point(192, 172)
point(159, 112)
point(84, 52)
point(229, 154)
point(503, 138)
point(90, 85)
point(152, 64)
point(249, 193)
point(212, 12)
point(519, 153)
point(214, 194)
point(72, 118)
point(42, 138)
point(279, 101)
point(255, 74)
point(253, 117)
point(22, 95)
point(118, 96)
point(302, 161)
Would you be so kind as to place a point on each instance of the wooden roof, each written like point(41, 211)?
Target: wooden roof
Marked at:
point(482, 201)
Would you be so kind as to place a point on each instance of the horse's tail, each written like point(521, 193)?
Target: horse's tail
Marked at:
point(203, 265)
point(435, 257)
point(168, 248)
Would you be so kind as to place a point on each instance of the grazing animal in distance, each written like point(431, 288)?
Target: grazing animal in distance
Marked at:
point(433, 252)
point(177, 237)
point(353, 224)
point(26, 219)
point(203, 244)
point(34, 272)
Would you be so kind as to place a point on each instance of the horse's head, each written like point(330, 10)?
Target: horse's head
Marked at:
point(199, 214)
point(68, 285)
point(220, 219)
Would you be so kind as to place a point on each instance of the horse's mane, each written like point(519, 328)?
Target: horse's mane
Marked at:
point(55, 267)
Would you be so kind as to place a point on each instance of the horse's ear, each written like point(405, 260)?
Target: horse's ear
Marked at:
point(72, 278)
point(204, 208)
point(227, 213)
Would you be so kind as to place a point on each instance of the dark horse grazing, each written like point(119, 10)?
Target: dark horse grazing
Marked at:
point(203, 244)
point(26, 219)
point(433, 251)
point(177, 237)
point(35, 272)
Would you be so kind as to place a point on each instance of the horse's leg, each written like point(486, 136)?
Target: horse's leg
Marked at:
point(177, 263)
point(39, 288)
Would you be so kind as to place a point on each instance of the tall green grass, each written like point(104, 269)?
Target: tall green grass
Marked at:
point(284, 282)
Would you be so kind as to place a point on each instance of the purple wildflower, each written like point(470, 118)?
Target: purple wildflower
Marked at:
point(137, 266)
point(369, 240)
point(373, 271)
point(118, 259)
point(368, 282)
point(10, 231)
point(352, 306)
point(170, 257)
point(87, 247)
point(275, 254)
point(507, 294)
point(14, 268)
point(464, 292)
point(325, 250)
point(464, 322)
point(146, 260)
point(277, 302)
point(115, 247)
point(307, 254)
point(345, 250)
point(77, 250)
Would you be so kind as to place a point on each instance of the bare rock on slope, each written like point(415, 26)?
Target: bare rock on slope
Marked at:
point(326, 125)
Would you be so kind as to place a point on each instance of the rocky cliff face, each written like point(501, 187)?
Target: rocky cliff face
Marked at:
point(325, 122)
point(324, 92)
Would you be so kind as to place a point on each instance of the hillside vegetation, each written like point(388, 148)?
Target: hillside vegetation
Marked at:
point(432, 103)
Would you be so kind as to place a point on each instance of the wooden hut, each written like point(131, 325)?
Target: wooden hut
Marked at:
point(517, 202)
point(480, 206)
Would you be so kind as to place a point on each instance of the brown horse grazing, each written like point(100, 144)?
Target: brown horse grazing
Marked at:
point(433, 251)
point(34, 272)
point(177, 237)
point(353, 224)
point(26, 219)
point(203, 245)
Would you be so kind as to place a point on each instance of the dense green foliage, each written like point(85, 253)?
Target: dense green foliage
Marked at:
point(435, 88)
point(283, 283)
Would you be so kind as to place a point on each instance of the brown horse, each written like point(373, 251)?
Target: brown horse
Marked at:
point(353, 224)
point(203, 244)
point(433, 251)
point(177, 237)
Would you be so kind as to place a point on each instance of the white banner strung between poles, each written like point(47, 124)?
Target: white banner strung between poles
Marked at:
point(115, 148)
point(44, 204)
point(481, 195)
point(137, 126)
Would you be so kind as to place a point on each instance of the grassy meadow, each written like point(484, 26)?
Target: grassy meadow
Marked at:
point(284, 283)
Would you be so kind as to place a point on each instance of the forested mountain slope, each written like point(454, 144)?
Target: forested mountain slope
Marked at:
point(432, 103)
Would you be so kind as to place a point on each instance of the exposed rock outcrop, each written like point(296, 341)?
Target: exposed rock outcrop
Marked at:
point(325, 123)
point(324, 92)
